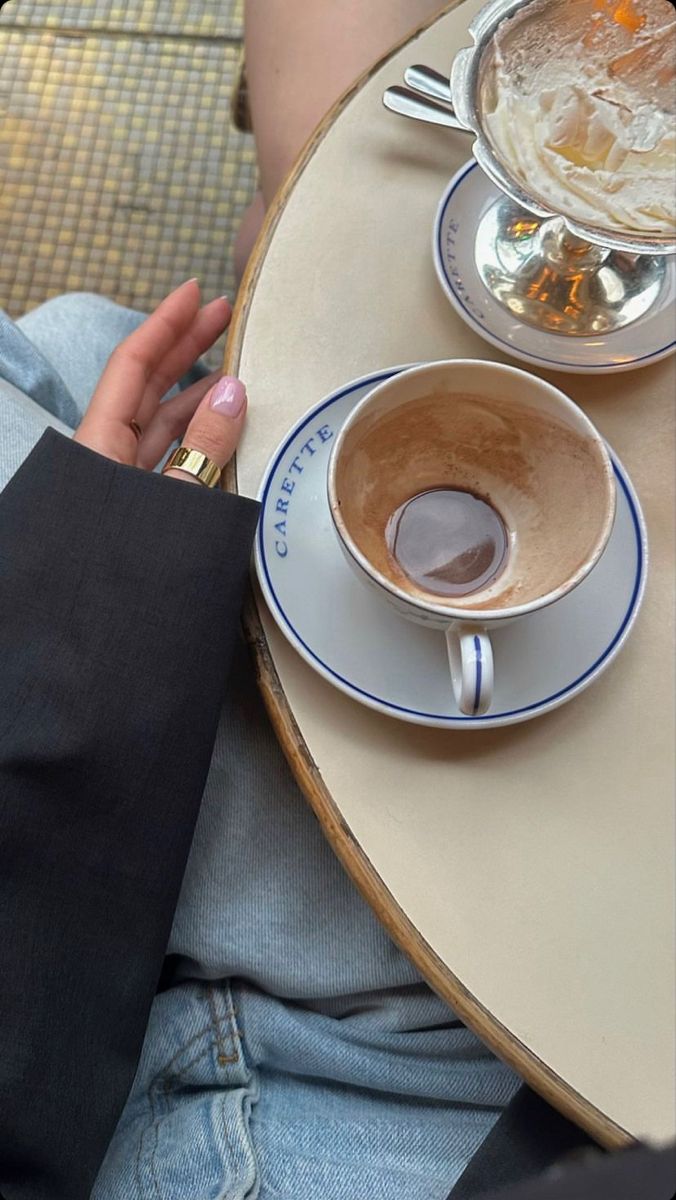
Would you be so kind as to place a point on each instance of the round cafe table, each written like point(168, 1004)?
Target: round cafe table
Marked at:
point(527, 871)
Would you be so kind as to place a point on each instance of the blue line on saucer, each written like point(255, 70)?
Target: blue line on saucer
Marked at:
point(510, 346)
point(372, 380)
point(477, 663)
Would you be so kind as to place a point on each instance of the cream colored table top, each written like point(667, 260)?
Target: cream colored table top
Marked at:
point(529, 871)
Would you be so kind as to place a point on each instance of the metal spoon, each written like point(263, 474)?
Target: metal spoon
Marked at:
point(429, 83)
point(408, 104)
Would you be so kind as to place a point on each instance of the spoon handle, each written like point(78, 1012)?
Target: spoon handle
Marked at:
point(429, 83)
point(405, 102)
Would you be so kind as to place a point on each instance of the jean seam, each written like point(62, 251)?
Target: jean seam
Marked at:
point(240, 1033)
point(153, 1128)
point(153, 1153)
point(252, 1086)
point(165, 1070)
point(218, 1024)
point(160, 1086)
point(226, 1039)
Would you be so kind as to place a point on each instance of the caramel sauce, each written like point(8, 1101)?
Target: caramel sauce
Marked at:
point(624, 13)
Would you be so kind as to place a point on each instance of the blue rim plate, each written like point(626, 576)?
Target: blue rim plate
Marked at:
point(465, 200)
point(364, 648)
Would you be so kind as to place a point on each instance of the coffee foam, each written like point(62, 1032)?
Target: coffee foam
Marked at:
point(548, 482)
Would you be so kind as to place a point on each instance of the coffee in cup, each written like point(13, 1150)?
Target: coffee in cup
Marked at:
point(469, 493)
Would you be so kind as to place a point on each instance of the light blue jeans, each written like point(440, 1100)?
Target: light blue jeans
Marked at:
point(296, 1054)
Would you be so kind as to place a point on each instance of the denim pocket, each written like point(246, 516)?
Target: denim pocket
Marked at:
point(185, 1133)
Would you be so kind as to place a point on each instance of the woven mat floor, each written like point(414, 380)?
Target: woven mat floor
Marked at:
point(120, 170)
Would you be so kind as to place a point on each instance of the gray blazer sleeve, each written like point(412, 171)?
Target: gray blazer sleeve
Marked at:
point(120, 594)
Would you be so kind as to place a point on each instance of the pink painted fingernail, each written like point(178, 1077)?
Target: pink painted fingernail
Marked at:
point(228, 396)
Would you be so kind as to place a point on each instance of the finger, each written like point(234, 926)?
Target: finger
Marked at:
point(208, 325)
point(133, 363)
point(216, 427)
point(171, 421)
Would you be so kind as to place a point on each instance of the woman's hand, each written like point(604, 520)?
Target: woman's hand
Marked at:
point(125, 420)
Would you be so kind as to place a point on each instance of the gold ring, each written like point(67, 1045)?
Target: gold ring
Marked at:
point(136, 430)
point(194, 463)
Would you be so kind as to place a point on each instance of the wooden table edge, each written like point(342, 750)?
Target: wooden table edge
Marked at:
point(504, 1043)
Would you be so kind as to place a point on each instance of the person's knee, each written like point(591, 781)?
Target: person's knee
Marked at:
point(76, 332)
point(71, 310)
point(251, 225)
point(79, 303)
point(68, 301)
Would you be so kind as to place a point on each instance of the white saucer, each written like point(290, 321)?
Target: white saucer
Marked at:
point(363, 647)
point(468, 196)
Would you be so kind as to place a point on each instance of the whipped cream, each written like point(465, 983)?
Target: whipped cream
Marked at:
point(579, 103)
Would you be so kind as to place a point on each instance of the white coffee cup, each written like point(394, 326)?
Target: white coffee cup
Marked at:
point(489, 432)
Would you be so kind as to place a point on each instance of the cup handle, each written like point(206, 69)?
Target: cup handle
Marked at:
point(470, 656)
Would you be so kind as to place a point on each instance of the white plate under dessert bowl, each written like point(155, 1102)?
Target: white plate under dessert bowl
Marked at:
point(466, 200)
